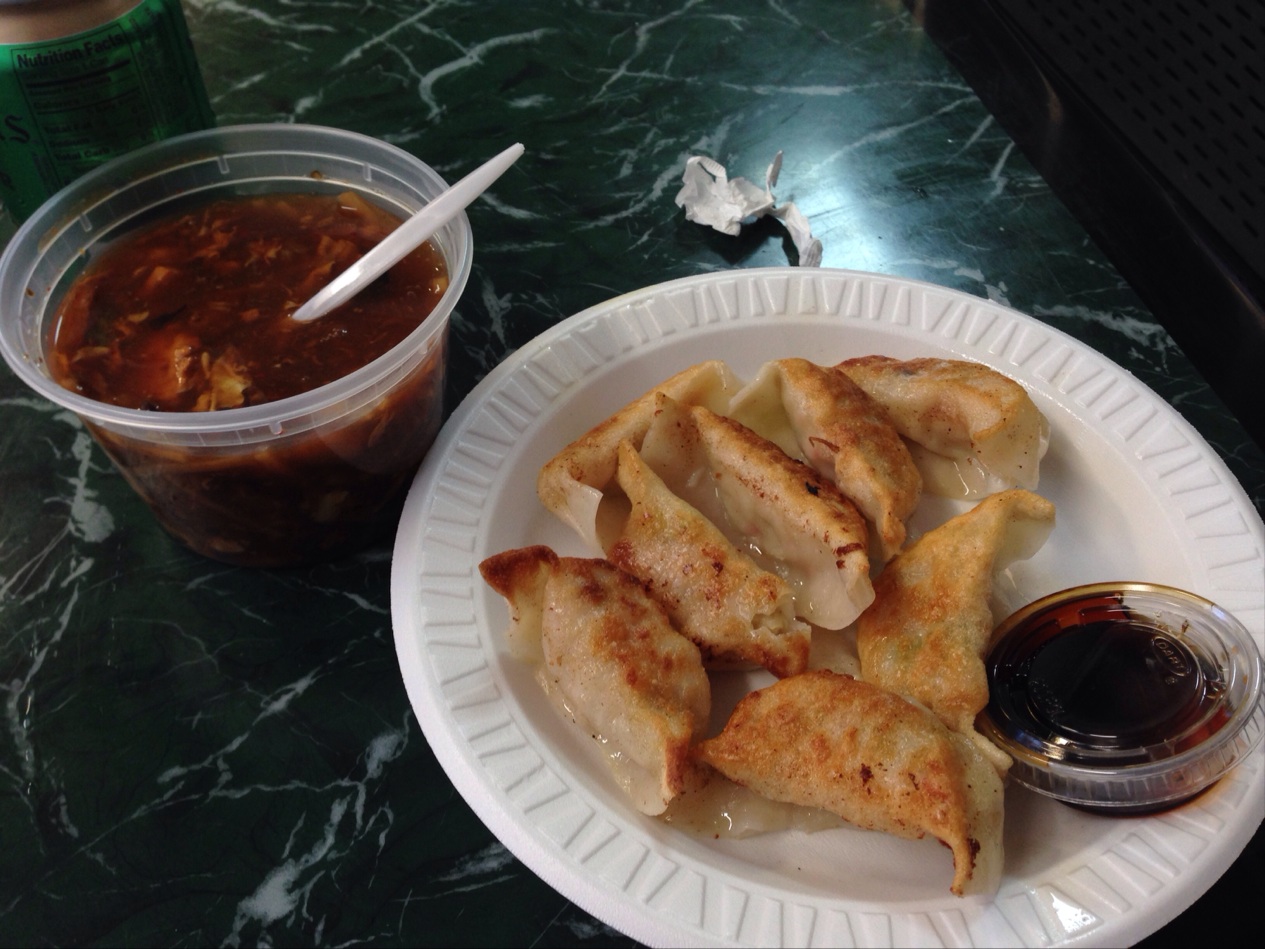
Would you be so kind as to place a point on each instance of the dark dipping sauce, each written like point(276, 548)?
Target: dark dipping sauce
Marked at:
point(1119, 683)
point(192, 314)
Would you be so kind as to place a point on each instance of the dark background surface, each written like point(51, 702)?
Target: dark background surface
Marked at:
point(1148, 121)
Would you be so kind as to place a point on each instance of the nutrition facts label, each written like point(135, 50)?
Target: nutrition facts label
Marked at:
point(70, 104)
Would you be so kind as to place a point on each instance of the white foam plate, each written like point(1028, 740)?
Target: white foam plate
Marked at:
point(1139, 495)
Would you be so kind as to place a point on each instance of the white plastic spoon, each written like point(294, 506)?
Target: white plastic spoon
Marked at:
point(406, 237)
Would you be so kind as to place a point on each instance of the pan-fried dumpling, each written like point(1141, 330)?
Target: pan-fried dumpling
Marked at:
point(716, 595)
point(973, 431)
point(819, 415)
point(826, 740)
point(611, 655)
point(793, 521)
point(571, 483)
point(926, 634)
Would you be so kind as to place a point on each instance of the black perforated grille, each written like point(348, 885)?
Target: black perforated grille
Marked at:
point(1184, 82)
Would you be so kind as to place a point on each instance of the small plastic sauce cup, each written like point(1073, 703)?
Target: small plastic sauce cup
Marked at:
point(305, 478)
point(1123, 697)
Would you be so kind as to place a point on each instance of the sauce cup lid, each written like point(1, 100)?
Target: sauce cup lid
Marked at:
point(1124, 697)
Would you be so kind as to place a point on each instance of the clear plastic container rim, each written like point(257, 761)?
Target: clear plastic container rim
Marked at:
point(1152, 784)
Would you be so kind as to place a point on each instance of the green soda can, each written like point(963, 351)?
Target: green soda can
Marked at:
point(82, 81)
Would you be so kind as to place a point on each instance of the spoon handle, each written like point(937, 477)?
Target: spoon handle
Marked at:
point(407, 236)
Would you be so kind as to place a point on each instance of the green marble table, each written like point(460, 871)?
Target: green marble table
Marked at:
point(193, 754)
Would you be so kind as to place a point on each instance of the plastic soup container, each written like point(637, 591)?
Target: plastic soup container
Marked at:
point(307, 477)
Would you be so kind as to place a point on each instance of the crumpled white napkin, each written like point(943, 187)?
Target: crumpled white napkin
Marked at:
point(711, 197)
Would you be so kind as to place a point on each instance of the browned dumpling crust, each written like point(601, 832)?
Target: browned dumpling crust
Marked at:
point(734, 611)
point(926, 634)
point(826, 740)
point(610, 651)
point(799, 522)
point(974, 430)
point(821, 416)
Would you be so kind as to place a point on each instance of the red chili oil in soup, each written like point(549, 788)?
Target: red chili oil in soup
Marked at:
point(192, 313)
